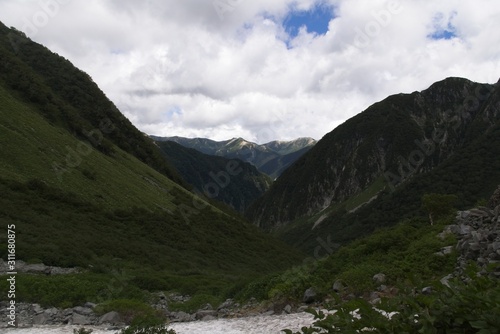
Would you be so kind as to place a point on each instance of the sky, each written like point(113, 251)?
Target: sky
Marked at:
point(262, 69)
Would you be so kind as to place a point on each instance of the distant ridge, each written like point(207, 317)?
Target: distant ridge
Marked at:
point(271, 158)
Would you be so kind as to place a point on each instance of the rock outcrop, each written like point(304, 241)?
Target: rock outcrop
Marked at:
point(478, 234)
point(38, 268)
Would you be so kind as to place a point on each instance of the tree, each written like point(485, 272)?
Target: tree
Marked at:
point(438, 205)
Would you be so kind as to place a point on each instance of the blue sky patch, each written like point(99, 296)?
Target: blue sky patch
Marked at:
point(443, 27)
point(315, 20)
point(175, 110)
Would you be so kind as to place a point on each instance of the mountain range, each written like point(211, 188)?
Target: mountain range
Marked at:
point(271, 158)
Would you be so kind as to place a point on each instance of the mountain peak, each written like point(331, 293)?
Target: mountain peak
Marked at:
point(271, 158)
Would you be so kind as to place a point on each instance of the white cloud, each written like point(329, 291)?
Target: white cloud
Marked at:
point(235, 76)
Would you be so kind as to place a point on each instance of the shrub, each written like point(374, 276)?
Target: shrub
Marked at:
point(471, 307)
point(130, 310)
point(147, 325)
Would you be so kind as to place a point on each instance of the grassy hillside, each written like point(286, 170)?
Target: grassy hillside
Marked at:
point(85, 188)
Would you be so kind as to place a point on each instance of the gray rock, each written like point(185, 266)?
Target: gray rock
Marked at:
point(447, 250)
point(226, 305)
point(82, 310)
point(89, 305)
point(207, 307)
point(303, 308)
point(41, 319)
point(78, 319)
point(374, 295)
point(338, 286)
point(67, 312)
point(288, 309)
point(382, 288)
point(37, 269)
point(495, 199)
point(379, 278)
point(445, 280)
point(51, 311)
point(37, 308)
point(309, 296)
point(208, 318)
point(203, 313)
point(111, 318)
point(181, 316)
point(427, 290)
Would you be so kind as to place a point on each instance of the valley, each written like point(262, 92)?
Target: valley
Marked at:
point(119, 225)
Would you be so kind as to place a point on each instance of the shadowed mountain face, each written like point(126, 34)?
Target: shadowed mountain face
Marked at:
point(231, 181)
point(272, 158)
point(381, 151)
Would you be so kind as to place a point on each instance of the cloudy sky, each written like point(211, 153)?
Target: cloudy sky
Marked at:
point(262, 69)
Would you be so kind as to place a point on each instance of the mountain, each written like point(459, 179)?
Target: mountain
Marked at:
point(232, 181)
point(271, 158)
point(83, 187)
point(372, 170)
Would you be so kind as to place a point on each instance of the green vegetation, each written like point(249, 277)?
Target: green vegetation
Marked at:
point(468, 308)
point(438, 205)
point(404, 253)
point(147, 325)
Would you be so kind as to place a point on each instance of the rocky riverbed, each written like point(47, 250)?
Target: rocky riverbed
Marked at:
point(262, 324)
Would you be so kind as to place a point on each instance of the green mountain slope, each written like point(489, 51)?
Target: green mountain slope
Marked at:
point(85, 188)
point(233, 182)
point(372, 170)
point(271, 158)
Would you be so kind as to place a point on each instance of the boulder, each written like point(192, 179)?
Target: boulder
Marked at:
point(310, 296)
point(111, 318)
point(445, 280)
point(427, 290)
point(288, 309)
point(82, 310)
point(495, 199)
point(338, 286)
point(227, 304)
point(208, 318)
point(379, 278)
point(78, 319)
point(182, 317)
point(37, 309)
point(41, 319)
point(204, 313)
point(89, 305)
